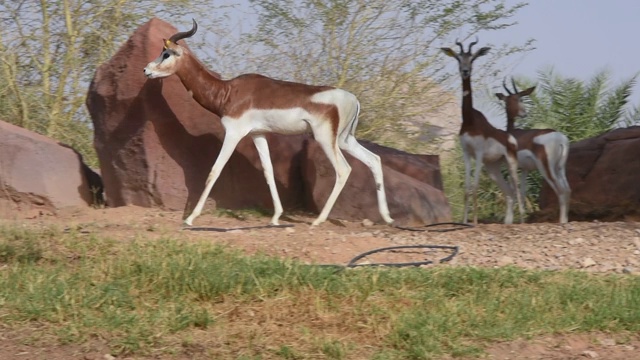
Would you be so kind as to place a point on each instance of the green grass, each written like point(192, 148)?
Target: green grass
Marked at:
point(147, 296)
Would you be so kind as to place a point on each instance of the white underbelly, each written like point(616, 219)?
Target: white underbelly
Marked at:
point(491, 149)
point(286, 122)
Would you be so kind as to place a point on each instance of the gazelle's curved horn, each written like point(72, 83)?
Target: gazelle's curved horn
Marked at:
point(185, 34)
point(460, 45)
point(504, 85)
point(515, 88)
point(473, 43)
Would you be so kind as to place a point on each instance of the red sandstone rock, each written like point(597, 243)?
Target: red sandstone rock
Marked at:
point(603, 172)
point(37, 174)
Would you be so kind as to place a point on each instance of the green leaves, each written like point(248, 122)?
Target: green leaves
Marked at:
point(385, 52)
point(580, 109)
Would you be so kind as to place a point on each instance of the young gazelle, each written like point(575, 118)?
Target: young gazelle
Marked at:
point(255, 105)
point(543, 149)
point(484, 143)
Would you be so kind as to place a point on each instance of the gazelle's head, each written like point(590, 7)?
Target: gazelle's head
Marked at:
point(466, 59)
point(169, 60)
point(513, 102)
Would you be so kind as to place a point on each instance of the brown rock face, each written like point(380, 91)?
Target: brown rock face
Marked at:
point(156, 147)
point(37, 173)
point(603, 173)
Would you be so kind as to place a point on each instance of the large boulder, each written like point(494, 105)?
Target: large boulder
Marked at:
point(603, 172)
point(156, 147)
point(37, 174)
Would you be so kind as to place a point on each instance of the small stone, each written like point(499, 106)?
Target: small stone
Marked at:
point(590, 354)
point(289, 230)
point(629, 270)
point(367, 223)
point(576, 241)
point(588, 262)
point(608, 342)
point(108, 357)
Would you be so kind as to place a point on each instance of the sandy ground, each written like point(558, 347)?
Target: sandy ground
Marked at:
point(603, 247)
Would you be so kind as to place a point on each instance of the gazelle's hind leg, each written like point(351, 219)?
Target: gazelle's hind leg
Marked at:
point(349, 143)
point(493, 170)
point(325, 137)
point(263, 151)
point(563, 191)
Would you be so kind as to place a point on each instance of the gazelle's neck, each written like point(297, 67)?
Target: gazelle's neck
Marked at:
point(512, 113)
point(207, 88)
point(467, 100)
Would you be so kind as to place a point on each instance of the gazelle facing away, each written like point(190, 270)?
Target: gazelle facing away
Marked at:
point(484, 143)
point(543, 149)
point(255, 105)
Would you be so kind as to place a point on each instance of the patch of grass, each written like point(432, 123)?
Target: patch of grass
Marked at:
point(22, 245)
point(148, 296)
point(243, 214)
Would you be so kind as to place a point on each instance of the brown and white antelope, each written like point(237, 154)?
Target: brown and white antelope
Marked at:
point(484, 143)
point(543, 149)
point(255, 105)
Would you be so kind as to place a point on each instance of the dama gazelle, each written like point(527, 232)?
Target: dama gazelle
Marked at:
point(543, 149)
point(255, 105)
point(484, 143)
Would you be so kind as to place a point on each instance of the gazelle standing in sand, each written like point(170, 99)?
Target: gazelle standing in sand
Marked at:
point(545, 150)
point(255, 105)
point(484, 143)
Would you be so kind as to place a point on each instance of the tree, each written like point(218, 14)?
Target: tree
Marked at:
point(50, 49)
point(384, 51)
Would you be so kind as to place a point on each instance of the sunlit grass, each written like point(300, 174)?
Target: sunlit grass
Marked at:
point(147, 296)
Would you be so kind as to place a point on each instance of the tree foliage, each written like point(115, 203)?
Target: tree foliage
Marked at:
point(384, 51)
point(50, 49)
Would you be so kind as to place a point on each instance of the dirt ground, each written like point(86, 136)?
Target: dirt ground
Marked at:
point(602, 247)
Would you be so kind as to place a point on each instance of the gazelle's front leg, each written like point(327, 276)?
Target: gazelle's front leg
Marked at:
point(263, 150)
point(229, 144)
point(512, 164)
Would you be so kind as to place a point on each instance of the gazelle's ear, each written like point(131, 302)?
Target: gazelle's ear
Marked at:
point(449, 52)
point(500, 96)
point(528, 91)
point(483, 51)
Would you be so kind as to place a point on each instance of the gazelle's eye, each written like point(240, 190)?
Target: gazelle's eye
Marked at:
point(165, 56)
